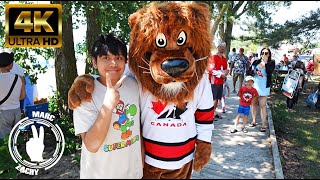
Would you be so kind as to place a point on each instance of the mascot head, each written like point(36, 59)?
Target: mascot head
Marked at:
point(169, 48)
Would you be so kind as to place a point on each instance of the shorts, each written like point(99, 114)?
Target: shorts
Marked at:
point(217, 91)
point(245, 110)
point(235, 77)
point(8, 118)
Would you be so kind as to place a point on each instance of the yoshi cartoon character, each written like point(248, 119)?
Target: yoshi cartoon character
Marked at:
point(125, 121)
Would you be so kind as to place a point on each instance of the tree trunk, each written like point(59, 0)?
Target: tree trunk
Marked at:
point(65, 62)
point(217, 20)
point(221, 31)
point(228, 36)
point(93, 30)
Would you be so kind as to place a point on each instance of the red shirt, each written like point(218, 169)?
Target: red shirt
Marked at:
point(217, 63)
point(246, 95)
point(310, 66)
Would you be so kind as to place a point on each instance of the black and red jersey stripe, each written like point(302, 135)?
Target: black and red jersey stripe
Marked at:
point(169, 151)
point(204, 116)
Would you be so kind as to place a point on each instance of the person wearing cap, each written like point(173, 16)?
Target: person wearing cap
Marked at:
point(239, 64)
point(218, 70)
point(246, 94)
point(261, 70)
point(12, 90)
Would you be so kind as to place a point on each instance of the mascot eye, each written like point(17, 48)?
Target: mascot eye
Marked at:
point(182, 38)
point(161, 40)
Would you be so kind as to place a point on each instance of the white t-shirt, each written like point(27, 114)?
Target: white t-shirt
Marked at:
point(120, 154)
point(170, 133)
point(6, 80)
point(17, 69)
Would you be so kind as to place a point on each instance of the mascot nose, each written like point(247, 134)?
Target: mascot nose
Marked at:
point(175, 67)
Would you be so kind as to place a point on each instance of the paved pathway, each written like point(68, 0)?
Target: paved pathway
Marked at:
point(239, 155)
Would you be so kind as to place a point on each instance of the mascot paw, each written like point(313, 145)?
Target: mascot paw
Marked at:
point(80, 90)
point(202, 154)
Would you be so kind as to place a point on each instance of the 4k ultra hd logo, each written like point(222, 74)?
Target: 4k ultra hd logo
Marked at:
point(34, 25)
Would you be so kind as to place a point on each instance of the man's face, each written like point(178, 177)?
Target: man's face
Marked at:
point(241, 52)
point(113, 64)
point(221, 49)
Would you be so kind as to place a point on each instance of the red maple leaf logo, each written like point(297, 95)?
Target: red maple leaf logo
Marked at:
point(158, 106)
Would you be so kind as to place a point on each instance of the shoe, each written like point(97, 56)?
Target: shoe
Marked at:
point(245, 130)
point(218, 116)
point(252, 124)
point(263, 129)
point(234, 130)
point(234, 91)
point(223, 110)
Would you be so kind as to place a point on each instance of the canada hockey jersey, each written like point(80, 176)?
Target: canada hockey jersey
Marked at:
point(170, 133)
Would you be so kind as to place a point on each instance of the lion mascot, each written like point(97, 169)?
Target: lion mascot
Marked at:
point(169, 48)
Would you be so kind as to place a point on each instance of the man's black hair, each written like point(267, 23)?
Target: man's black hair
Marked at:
point(108, 43)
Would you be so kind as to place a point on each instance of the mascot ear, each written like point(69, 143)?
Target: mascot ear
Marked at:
point(202, 9)
point(133, 19)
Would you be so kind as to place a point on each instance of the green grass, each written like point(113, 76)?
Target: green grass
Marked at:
point(301, 129)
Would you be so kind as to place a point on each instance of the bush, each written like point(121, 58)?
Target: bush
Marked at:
point(7, 164)
point(72, 143)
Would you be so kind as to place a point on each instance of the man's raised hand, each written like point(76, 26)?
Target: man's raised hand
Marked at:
point(112, 95)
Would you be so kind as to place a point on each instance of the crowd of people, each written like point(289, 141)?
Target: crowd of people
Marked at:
point(254, 72)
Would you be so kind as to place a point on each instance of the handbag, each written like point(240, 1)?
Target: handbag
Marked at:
point(10, 91)
point(312, 99)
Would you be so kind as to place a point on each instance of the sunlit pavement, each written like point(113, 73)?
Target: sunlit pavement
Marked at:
point(238, 155)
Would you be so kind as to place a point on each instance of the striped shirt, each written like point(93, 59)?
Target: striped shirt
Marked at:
point(170, 133)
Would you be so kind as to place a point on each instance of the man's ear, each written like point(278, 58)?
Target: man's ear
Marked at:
point(94, 62)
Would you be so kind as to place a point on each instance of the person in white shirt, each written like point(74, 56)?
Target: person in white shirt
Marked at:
point(12, 90)
point(231, 55)
point(109, 124)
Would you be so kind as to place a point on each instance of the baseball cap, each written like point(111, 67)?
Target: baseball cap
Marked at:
point(241, 49)
point(248, 78)
point(6, 59)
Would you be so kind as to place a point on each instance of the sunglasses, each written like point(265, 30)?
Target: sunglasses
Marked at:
point(265, 53)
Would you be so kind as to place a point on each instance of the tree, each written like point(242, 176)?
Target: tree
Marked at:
point(304, 30)
point(25, 57)
point(106, 17)
point(236, 9)
point(93, 29)
point(65, 61)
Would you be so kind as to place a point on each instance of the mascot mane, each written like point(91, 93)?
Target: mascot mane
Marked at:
point(169, 49)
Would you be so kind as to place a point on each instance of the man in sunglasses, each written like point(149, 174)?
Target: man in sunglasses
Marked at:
point(239, 64)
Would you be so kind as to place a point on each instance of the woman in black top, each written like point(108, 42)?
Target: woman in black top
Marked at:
point(261, 70)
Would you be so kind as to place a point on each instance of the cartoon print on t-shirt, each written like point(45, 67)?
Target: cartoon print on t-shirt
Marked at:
point(247, 96)
point(125, 121)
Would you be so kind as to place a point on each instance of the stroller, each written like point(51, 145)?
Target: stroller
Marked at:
point(290, 83)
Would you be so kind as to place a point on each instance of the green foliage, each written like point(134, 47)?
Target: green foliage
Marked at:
point(7, 165)
point(302, 130)
point(303, 30)
point(26, 57)
point(72, 143)
point(115, 16)
point(247, 45)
